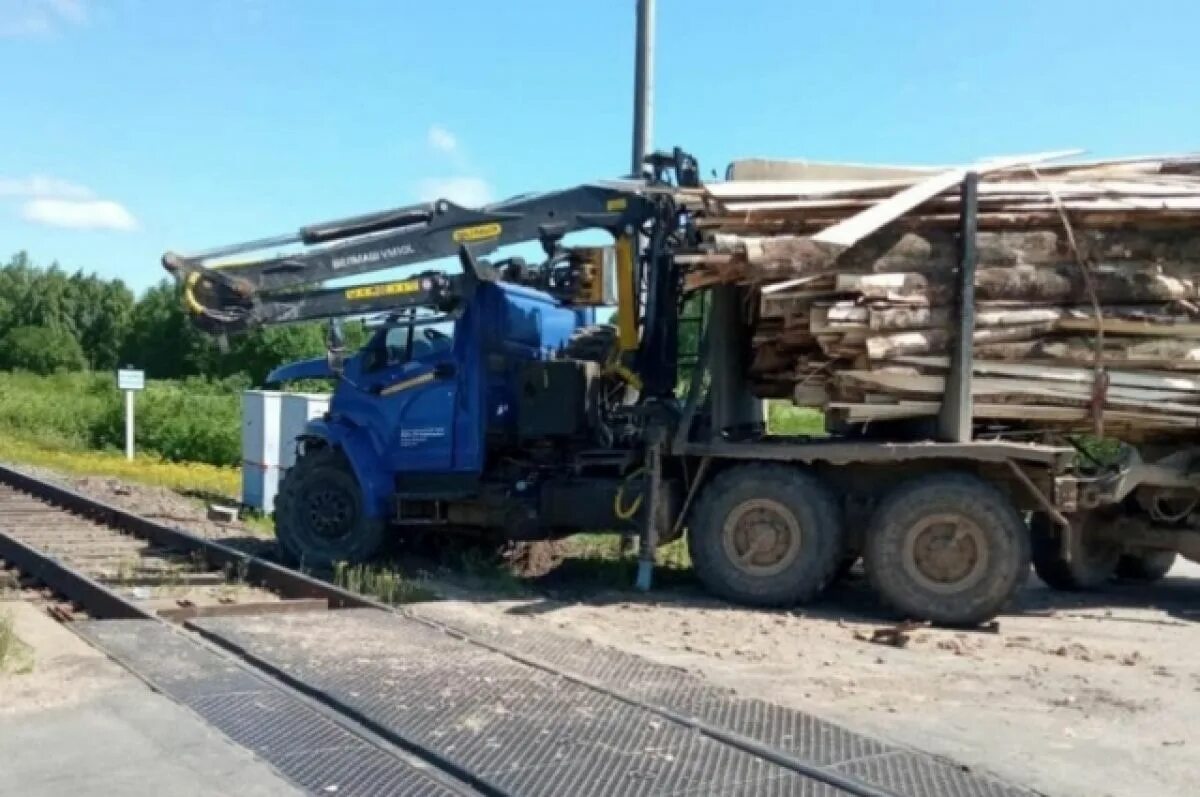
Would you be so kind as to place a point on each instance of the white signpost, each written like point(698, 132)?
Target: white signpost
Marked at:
point(130, 380)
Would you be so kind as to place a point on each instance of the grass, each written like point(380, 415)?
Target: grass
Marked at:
point(673, 555)
point(144, 469)
point(15, 655)
point(493, 572)
point(387, 584)
point(189, 420)
point(235, 579)
point(598, 561)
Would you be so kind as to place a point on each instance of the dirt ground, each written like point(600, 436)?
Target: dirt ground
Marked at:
point(57, 668)
point(1072, 695)
point(156, 503)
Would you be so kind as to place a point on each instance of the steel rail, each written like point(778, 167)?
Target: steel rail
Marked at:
point(102, 602)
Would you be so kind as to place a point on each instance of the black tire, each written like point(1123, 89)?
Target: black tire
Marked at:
point(1091, 566)
point(950, 580)
point(1145, 567)
point(807, 539)
point(319, 513)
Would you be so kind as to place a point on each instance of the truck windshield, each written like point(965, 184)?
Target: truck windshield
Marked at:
point(415, 342)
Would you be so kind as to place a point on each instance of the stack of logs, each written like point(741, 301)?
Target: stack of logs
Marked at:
point(1087, 291)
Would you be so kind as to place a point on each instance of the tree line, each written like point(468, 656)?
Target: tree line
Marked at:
point(53, 320)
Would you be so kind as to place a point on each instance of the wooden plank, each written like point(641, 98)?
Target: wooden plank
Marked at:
point(1060, 285)
point(859, 226)
point(1123, 326)
point(745, 189)
point(802, 169)
point(1067, 374)
point(291, 606)
point(787, 285)
point(1154, 400)
point(880, 347)
point(862, 413)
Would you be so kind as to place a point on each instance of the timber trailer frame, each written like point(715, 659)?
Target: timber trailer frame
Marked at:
point(938, 514)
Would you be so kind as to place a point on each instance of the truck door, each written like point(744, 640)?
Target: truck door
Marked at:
point(417, 382)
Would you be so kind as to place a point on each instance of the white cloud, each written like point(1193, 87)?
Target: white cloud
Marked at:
point(442, 140)
point(39, 17)
point(62, 203)
point(469, 191)
point(39, 185)
point(79, 214)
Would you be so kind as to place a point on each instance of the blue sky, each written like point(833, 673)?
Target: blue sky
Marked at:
point(134, 126)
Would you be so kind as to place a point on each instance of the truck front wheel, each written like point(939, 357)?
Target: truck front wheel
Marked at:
point(319, 513)
point(765, 535)
point(947, 548)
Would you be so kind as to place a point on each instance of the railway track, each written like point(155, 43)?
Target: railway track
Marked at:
point(113, 564)
point(343, 695)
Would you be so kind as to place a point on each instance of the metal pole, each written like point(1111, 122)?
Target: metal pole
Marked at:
point(643, 85)
point(643, 110)
point(129, 425)
point(955, 420)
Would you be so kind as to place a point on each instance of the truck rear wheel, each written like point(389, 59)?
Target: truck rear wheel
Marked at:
point(319, 513)
point(765, 535)
point(1093, 561)
point(1145, 566)
point(948, 548)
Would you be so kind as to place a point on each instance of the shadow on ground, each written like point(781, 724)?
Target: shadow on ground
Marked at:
point(545, 576)
point(851, 598)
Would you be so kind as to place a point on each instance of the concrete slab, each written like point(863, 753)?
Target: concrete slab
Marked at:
point(79, 724)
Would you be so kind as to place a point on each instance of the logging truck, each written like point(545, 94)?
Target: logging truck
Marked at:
point(516, 417)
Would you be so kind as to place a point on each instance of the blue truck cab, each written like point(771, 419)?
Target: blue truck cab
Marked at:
point(461, 419)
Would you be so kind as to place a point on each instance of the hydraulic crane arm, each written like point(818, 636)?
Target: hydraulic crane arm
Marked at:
point(232, 297)
point(279, 289)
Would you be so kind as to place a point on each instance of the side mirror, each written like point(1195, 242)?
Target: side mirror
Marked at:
point(337, 361)
point(335, 348)
point(444, 370)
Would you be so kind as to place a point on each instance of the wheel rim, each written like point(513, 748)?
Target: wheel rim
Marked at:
point(330, 513)
point(761, 537)
point(945, 553)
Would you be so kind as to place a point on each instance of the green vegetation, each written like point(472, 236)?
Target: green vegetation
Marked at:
point(786, 419)
point(52, 321)
point(184, 477)
point(62, 335)
point(40, 350)
point(386, 584)
point(192, 420)
point(599, 561)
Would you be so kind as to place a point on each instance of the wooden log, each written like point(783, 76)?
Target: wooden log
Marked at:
point(898, 249)
point(933, 341)
point(1029, 413)
point(1163, 354)
point(1059, 285)
point(1002, 388)
point(1161, 381)
point(1130, 323)
point(1117, 319)
point(908, 316)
